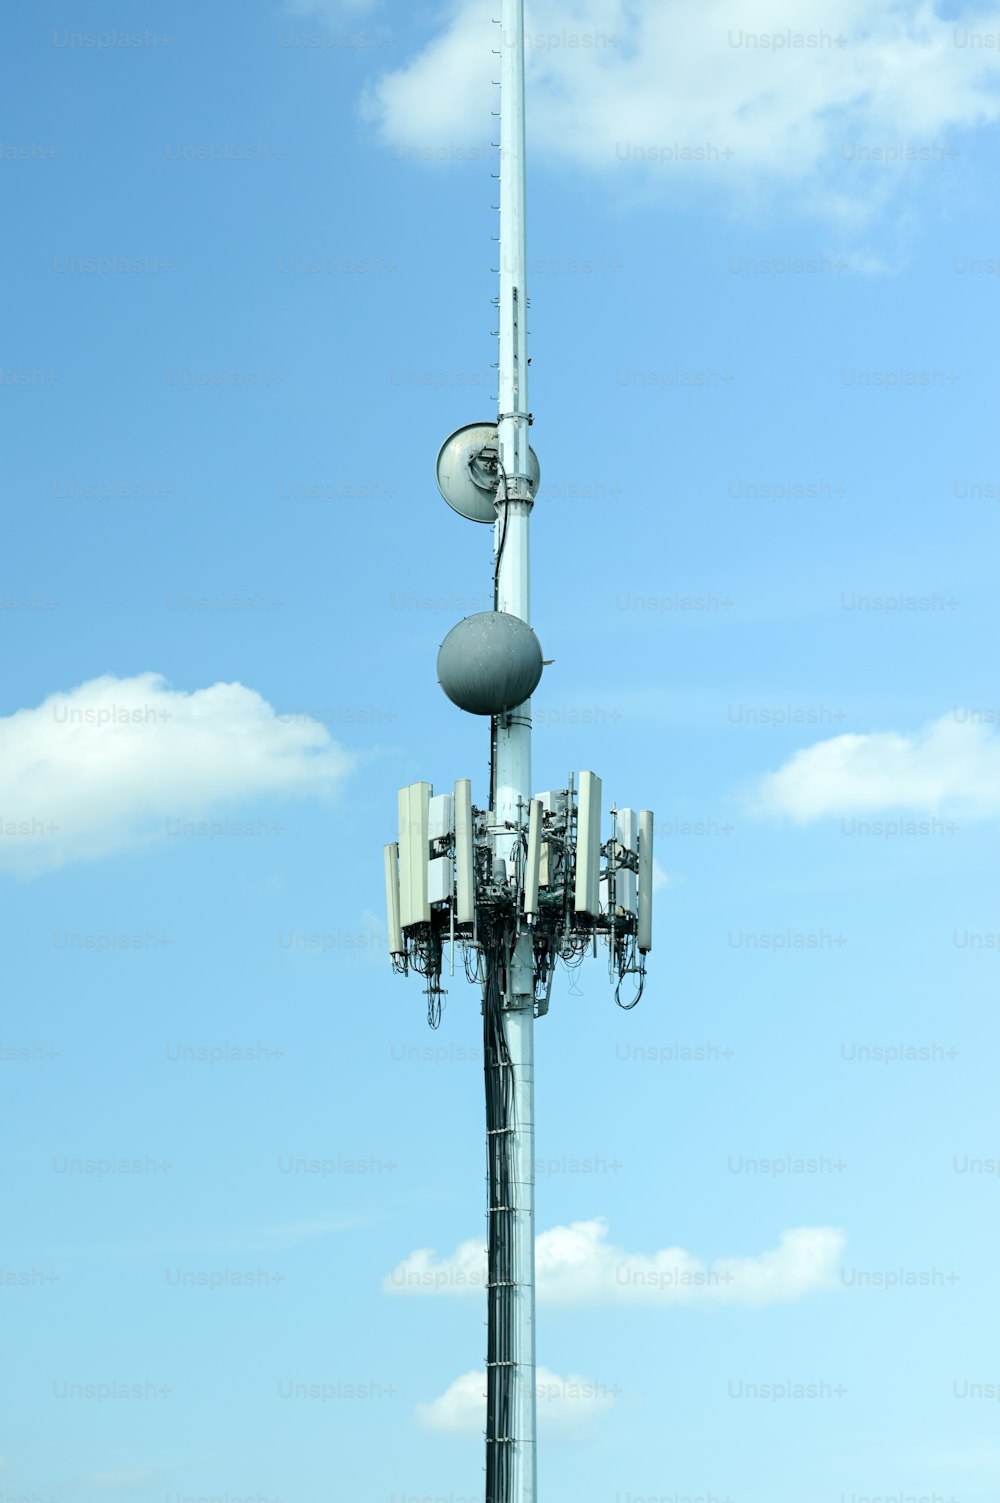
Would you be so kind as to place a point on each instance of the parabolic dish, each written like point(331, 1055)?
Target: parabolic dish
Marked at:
point(469, 483)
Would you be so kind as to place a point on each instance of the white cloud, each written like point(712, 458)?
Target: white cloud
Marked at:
point(576, 1265)
point(463, 1273)
point(950, 767)
point(116, 762)
point(662, 878)
point(566, 1406)
point(654, 74)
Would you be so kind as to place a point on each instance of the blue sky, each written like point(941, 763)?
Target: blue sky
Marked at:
point(248, 266)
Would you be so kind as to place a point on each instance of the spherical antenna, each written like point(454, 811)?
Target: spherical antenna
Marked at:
point(490, 663)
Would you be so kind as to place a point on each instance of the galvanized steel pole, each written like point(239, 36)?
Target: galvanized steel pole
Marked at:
point(514, 1307)
point(517, 885)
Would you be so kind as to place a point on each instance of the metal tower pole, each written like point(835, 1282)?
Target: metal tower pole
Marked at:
point(511, 1418)
point(518, 885)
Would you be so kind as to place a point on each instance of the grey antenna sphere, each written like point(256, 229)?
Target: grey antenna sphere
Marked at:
point(489, 663)
point(468, 473)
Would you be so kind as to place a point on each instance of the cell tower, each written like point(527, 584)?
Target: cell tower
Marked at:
point(519, 884)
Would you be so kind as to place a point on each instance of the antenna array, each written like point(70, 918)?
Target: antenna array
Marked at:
point(562, 886)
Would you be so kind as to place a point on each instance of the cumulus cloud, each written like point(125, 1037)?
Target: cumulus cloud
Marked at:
point(576, 1265)
point(119, 761)
point(620, 85)
point(950, 767)
point(566, 1406)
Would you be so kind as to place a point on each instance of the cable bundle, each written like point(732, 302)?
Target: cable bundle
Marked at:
point(501, 1355)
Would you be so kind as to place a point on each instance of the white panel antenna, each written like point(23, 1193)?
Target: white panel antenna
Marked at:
point(396, 946)
point(441, 817)
point(553, 803)
point(414, 810)
point(587, 895)
point(465, 855)
point(533, 863)
point(440, 879)
point(644, 933)
point(627, 838)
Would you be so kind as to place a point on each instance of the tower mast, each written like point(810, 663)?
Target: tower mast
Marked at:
point(511, 1399)
point(518, 885)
